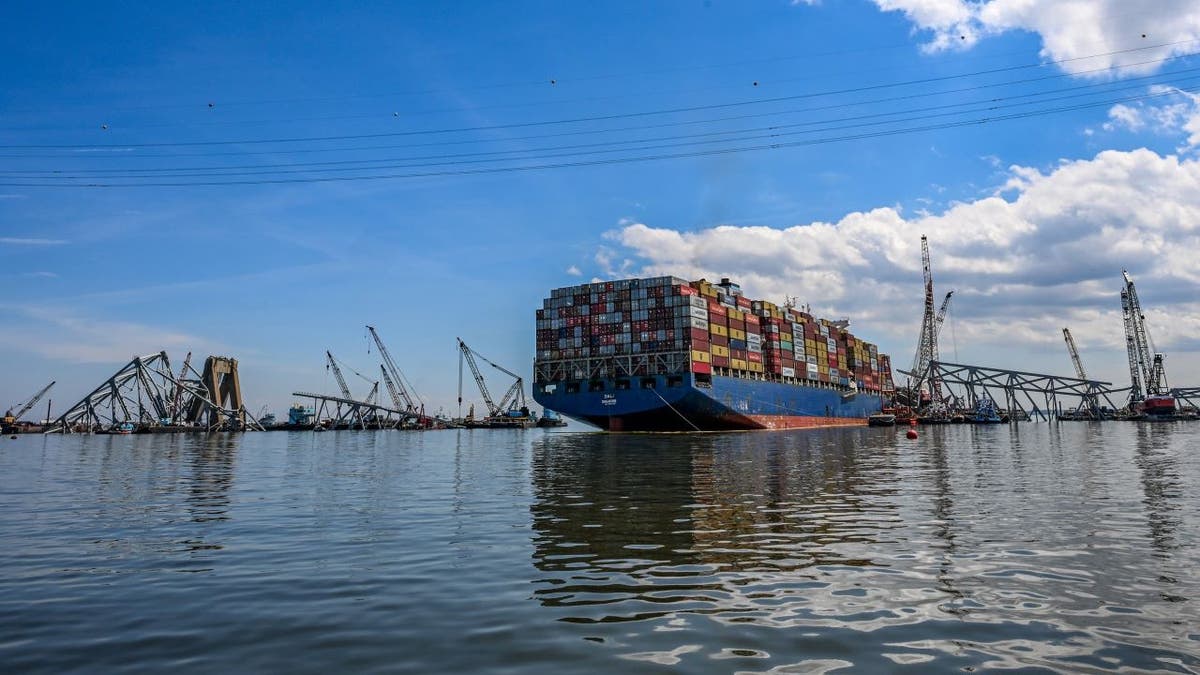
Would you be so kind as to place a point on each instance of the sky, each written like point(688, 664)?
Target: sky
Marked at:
point(262, 180)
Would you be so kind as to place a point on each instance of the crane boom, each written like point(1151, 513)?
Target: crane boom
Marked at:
point(397, 400)
point(397, 377)
point(927, 351)
point(26, 406)
point(337, 375)
point(1146, 374)
point(1079, 371)
point(941, 315)
point(467, 353)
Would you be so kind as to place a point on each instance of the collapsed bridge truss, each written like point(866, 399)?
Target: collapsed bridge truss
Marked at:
point(145, 394)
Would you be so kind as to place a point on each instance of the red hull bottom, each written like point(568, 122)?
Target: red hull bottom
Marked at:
point(798, 422)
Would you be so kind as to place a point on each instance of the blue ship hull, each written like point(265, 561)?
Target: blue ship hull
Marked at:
point(678, 403)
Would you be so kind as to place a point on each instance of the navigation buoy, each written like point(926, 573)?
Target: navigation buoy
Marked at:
point(912, 433)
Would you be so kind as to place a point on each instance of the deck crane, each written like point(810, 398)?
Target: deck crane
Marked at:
point(927, 351)
point(401, 396)
point(11, 417)
point(1147, 378)
point(512, 405)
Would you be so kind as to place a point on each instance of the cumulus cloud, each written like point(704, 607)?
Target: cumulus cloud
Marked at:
point(1045, 251)
point(1086, 35)
point(1179, 114)
point(574, 271)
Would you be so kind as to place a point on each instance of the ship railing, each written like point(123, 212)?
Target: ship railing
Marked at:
point(618, 365)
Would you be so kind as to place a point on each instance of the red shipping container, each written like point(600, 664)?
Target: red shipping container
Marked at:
point(754, 357)
point(752, 320)
point(722, 340)
point(743, 303)
point(686, 290)
point(701, 367)
point(720, 361)
point(738, 354)
point(717, 308)
point(699, 335)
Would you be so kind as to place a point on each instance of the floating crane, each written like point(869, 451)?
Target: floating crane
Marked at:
point(10, 417)
point(402, 398)
point(1148, 380)
point(331, 364)
point(511, 411)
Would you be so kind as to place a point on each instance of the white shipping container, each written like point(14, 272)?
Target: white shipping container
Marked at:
point(698, 301)
point(702, 324)
point(698, 312)
point(788, 372)
point(756, 348)
point(812, 368)
point(812, 360)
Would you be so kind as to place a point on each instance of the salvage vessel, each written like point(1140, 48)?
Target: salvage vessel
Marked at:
point(666, 354)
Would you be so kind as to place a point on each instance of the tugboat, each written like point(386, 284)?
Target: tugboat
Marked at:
point(123, 428)
point(550, 419)
point(985, 412)
point(881, 419)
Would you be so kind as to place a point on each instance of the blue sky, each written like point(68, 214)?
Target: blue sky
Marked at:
point(1031, 219)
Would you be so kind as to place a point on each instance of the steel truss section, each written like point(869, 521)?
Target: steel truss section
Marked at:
point(976, 382)
point(147, 395)
point(348, 413)
point(1191, 395)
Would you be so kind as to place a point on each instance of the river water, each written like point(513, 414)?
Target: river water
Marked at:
point(1070, 547)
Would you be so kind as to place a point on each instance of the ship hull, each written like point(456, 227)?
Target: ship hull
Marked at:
point(725, 404)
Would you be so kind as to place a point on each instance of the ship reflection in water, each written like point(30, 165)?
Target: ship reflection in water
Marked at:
point(977, 547)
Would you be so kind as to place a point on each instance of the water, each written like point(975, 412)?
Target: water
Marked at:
point(1066, 548)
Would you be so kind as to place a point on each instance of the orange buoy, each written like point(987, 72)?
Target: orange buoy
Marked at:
point(912, 433)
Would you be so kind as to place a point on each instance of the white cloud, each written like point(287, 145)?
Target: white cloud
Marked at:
point(1046, 252)
point(29, 241)
point(1179, 114)
point(574, 271)
point(1104, 30)
point(60, 333)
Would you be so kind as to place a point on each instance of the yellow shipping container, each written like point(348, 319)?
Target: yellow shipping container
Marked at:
point(737, 364)
point(737, 334)
point(755, 367)
point(716, 329)
point(702, 357)
point(824, 370)
point(770, 306)
point(720, 350)
point(709, 291)
point(736, 315)
point(810, 345)
point(787, 337)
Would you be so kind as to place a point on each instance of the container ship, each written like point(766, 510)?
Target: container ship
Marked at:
point(666, 354)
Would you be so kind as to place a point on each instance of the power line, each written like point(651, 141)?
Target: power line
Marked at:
point(608, 161)
point(995, 103)
point(592, 118)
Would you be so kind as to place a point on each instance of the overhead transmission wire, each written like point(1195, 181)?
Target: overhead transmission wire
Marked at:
point(597, 162)
point(1107, 85)
point(594, 162)
point(592, 118)
point(342, 165)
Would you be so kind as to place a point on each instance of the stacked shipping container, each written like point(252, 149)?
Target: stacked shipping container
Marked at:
point(723, 332)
